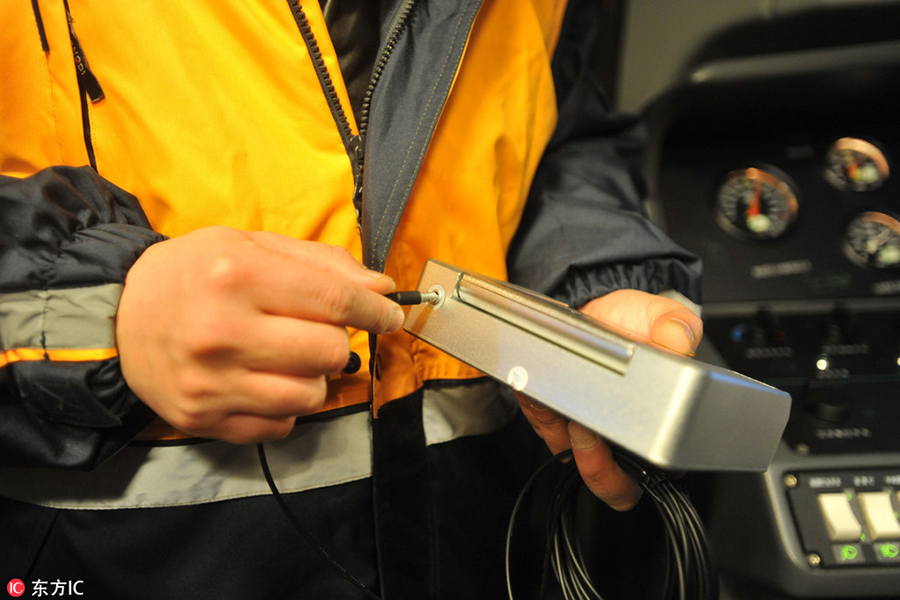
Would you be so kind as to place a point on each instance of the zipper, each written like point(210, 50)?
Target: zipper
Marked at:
point(45, 45)
point(88, 86)
point(386, 50)
point(355, 144)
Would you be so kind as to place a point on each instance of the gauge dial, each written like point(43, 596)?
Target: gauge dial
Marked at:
point(873, 240)
point(756, 204)
point(856, 165)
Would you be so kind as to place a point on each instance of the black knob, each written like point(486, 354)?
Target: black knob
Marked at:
point(353, 364)
point(764, 330)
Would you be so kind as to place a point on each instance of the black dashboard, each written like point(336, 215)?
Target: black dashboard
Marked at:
point(780, 168)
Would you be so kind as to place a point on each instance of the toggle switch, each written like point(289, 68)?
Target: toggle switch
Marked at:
point(880, 516)
point(840, 522)
point(763, 331)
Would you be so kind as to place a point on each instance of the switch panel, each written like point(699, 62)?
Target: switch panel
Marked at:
point(848, 518)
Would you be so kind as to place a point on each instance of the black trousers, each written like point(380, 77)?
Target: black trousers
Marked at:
point(430, 523)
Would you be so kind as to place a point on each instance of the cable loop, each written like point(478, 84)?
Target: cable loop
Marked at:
point(690, 571)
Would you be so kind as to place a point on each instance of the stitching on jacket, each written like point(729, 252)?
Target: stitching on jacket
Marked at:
point(396, 219)
point(38, 23)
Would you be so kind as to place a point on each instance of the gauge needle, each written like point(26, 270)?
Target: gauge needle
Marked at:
point(753, 209)
point(876, 242)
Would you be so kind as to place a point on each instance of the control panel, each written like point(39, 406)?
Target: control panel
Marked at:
point(783, 175)
point(838, 360)
point(847, 518)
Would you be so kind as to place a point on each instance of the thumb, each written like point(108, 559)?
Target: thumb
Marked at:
point(679, 330)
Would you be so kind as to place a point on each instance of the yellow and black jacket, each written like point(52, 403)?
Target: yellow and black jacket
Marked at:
point(480, 140)
point(234, 113)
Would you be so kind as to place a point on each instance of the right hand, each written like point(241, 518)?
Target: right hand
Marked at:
point(655, 320)
point(229, 335)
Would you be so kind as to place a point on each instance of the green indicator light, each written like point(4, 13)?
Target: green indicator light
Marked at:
point(890, 551)
point(848, 553)
point(862, 537)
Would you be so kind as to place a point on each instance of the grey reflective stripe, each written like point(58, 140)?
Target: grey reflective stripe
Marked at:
point(472, 409)
point(60, 319)
point(315, 455)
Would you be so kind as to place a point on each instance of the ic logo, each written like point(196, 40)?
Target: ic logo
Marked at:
point(15, 587)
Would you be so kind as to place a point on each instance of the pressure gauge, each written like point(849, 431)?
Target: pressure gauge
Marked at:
point(756, 204)
point(873, 240)
point(856, 165)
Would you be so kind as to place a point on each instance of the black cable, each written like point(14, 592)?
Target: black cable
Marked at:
point(690, 573)
point(515, 512)
point(304, 533)
point(689, 565)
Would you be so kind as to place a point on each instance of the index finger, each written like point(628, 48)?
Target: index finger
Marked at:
point(329, 296)
point(325, 256)
point(304, 285)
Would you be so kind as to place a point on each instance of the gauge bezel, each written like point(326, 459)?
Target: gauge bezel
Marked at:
point(862, 146)
point(767, 175)
point(888, 220)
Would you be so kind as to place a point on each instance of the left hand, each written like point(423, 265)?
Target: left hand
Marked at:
point(643, 317)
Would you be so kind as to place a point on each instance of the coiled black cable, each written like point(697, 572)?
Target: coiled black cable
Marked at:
point(690, 573)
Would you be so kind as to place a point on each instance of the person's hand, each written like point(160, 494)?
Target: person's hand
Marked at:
point(230, 335)
point(661, 322)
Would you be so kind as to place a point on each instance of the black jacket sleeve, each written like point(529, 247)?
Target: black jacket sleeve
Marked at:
point(584, 231)
point(67, 240)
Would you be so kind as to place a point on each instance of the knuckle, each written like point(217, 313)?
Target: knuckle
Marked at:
point(339, 253)
point(280, 429)
point(335, 351)
point(597, 477)
point(195, 387)
point(338, 301)
point(548, 419)
point(313, 397)
point(200, 340)
point(225, 272)
point(191, 419)
point(302, 398)
point(208, 335)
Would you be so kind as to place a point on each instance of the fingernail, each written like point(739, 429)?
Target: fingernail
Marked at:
point(535, 406)
point(683, 330)
point(581, 437)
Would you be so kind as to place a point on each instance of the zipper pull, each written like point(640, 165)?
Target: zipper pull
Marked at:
point(358, 159)
point(86, 78)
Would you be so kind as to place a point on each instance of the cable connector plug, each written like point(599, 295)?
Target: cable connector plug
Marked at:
point(414, 297)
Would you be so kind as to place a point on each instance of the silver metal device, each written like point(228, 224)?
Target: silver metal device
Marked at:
point(674, 411)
